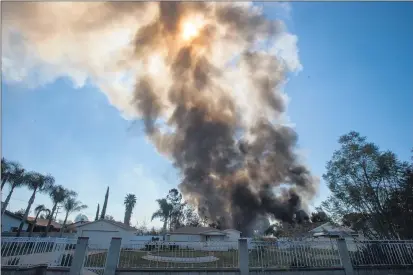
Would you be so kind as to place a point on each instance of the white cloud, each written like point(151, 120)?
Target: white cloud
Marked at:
point(286, 48)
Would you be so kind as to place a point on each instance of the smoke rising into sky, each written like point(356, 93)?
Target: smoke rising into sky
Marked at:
point(206, 79)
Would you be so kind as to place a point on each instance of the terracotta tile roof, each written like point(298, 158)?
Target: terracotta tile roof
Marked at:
point(43, 222)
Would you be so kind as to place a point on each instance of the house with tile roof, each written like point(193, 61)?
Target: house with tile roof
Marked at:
point(203, 234)
point(101, 232)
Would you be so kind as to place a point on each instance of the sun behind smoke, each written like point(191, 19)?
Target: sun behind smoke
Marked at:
point(191, 28)
point(189, 31)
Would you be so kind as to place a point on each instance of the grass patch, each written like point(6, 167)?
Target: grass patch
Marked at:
point(133, 259)
point(183, 254)
point(291, 258)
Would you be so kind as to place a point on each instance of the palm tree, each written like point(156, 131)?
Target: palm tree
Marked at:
point(71, 205)
point(163, 213)
point(38, 183)
point(16, 178)
point(130, 201)
point(39, 209)
point(58, 194)
point(5, 170)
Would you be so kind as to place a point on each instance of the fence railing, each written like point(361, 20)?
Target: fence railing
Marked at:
point(380, 253)
point(21, 251)
point(95, 259)
point(294, 254)
point(261, 255)
point(38, 234)
point(179, 255)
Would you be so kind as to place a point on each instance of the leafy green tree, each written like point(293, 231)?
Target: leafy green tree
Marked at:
point(109, 218)
point(81, 217)
point(71, 205)
point(130, 202)
point(19, 213)
point(319, 216)
point(362, 179)
point(274, 230)
point(191, 216)
point(58, 194)
point(16, 177)
point(174, 199)
point(400, 206)
point(37, 183)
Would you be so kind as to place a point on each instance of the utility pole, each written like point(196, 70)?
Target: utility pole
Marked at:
point(57, 211)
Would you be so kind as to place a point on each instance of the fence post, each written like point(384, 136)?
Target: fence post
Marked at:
point(243, 256)
point(345, 256)
point(79, 256)
point(113, 256)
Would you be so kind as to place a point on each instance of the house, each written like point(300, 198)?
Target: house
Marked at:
point(72, 227)
point(41, 225)
point(330, 230)
point(101, 232)
point(301, 230)
point(203, 234)
point(10, 222)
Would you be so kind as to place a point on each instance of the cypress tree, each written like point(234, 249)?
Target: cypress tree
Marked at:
point(105, 204)
point(97, 213)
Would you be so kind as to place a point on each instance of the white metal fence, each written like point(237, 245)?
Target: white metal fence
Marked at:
point(294, 254)
point(162, 254)
point(95, 259)
point(380, 253)
point(20, 251)
point(285, 254)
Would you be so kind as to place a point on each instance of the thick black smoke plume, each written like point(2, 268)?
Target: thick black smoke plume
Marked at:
point(208, 88)
point(229, 167)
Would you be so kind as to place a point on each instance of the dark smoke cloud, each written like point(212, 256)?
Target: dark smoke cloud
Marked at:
point(226, 175)
point(212, 103)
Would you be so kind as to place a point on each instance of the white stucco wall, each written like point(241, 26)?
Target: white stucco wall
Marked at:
point(101, 233)
point(215, 238)
point(8, 222)
point(232, 235)
point(184, 238)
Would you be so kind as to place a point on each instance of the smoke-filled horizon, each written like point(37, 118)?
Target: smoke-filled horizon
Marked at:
point(208, 86)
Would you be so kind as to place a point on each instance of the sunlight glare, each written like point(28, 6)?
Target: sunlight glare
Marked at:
point(191, 27)
point(189, 31)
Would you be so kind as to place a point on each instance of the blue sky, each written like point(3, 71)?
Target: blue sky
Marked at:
point(357, 75)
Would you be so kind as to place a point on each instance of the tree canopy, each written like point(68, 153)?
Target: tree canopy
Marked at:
point(371, 190)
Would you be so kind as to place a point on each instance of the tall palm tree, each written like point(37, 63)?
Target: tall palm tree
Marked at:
point(130, 201)
point(38, 183)
point(71, 205)
point(163, 213)
point(5, 170)
point(16, 178)
point(58, 194)
point(39, 209)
